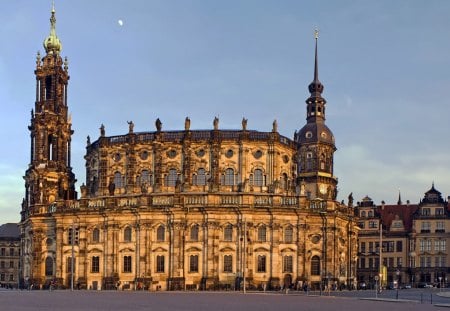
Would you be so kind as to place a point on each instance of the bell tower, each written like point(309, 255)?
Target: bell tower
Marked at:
point(316, 144)
point(49, 175)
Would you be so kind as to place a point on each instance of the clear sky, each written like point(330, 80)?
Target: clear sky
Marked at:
point(385, 66)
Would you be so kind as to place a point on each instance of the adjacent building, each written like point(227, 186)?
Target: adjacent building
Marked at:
point(182, 209)
point(9, 255)
point(413, 238)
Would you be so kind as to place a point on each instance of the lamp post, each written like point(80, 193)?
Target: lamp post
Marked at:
point(376, 286)
point(398, 281)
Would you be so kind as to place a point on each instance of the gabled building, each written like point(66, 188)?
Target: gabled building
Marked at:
point(414, 239)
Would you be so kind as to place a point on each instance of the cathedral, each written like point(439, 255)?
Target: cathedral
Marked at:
point(182, 209)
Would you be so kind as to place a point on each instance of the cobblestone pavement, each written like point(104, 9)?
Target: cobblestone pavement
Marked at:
point(199, 301)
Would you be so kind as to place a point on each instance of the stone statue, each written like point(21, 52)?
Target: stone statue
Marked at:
point(275, 126)
point(244, 124)
point(302, 187)
point(88, 140)
point(111, 187)
point(216, 123)
point(158, 125)
point(102, 130)
point(350, 199)
point(187, 124)
point(130, 126)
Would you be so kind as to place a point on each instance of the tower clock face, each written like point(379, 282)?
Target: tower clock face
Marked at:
point(323, 188)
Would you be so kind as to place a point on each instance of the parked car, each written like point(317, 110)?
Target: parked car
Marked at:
point(406, 286)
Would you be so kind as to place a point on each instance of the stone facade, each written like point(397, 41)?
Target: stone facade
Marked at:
point(9, 255)
point(186, 209)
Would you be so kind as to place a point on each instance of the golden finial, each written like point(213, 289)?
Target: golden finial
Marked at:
point(316, 33)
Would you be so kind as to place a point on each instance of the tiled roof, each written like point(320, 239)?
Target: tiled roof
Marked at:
point(405, 212)
point(9, 230)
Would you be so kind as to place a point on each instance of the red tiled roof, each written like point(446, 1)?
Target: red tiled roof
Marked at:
point(405, 212)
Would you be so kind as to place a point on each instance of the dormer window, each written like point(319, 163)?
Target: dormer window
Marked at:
point(426, 212)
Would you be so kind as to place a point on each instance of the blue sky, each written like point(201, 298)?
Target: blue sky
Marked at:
point(384, 64)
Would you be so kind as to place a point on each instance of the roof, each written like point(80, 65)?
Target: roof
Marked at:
point(9, 230)
point(404, 211)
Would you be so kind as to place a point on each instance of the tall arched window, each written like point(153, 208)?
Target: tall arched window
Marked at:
point(172, 177)
point(315, 265)
point(161, 233)
point(229, 177)
point(95, 235)
point(288, 234)
point(48, 266)
point(194, 233)
point(200, 178)
point(118, 180)
point(258, 178)
point(262, 234)
point(309, 161)
point(127, 234)
point(228, 233)
point(284, 181)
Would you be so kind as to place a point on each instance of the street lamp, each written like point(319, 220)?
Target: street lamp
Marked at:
point(376, 286)
point(398, 280)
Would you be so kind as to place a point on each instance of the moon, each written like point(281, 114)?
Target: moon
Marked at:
point(120, 22)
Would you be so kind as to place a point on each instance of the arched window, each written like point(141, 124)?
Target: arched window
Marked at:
point(262, 234)
point(145, 178)
point(118, 180)
point(315, 265)
point(200, 178)
point(228, 263)
point(287, 264)
point(309, 161)
point(48, 266)
point(284, 181)
point(258, 178)
point(171, 178)
point(370, 214)
point(95, 235)
point(127, 234)
point(194, 233)
point(288, 234)
point(228, 233)
point(161, 233)
point(363, 214)
point(261, 263)
point(229, 177)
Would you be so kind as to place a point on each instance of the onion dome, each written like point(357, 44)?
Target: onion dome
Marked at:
point(52, 43)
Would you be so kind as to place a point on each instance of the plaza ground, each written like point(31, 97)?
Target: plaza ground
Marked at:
point(251, 301)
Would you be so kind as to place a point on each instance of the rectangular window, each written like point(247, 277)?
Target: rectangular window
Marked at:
point(3, 251)
point(412, 262)
point(160, 264)
point(425, 211)
point(422, 245)
point(2, 277)
point(227, 263)
point(287, 264)
point(373, 224)
point(69, 264)
point(371, 263)
point(422, 262)
point(391, 262)
point(389, 246)
point(428, 262)
point(370, 247)
point(425, 227)
point(193, 263)
point(127, 264)
point(261, 263)
point(361, 224)
point(95, 267)
point(399, 261)
point(437, 261)
point(2, 264)
point(363, 247)
point(11, 264)
point(11, 277)
point(362, 263)
point(439, 211)
point(11, 252)
point(399, 246)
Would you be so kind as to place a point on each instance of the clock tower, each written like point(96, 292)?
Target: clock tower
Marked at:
point(316, 145)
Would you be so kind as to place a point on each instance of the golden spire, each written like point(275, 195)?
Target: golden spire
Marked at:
point(52, 43)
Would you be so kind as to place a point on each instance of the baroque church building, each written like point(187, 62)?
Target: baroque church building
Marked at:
point(182, 209)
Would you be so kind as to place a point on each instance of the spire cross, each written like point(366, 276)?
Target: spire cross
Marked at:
point(316, 34)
